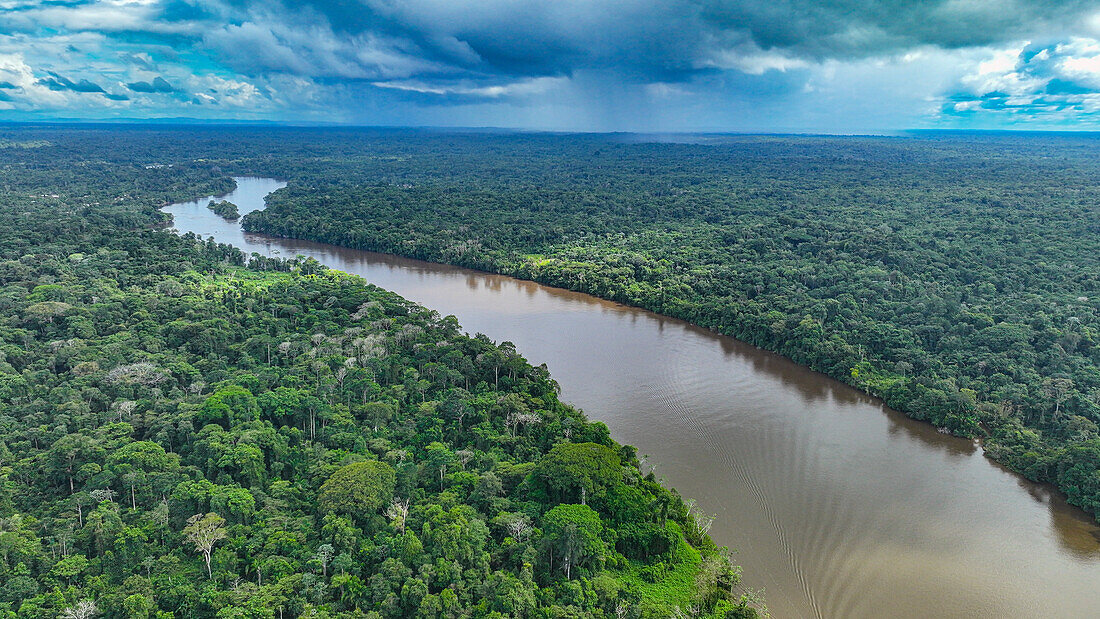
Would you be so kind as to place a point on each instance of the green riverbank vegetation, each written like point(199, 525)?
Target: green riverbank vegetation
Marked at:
point(956, 276)
point(186, 431)
point(224, 209)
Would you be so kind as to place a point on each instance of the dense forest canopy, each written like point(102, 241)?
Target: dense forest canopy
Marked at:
point(224, 209)
point(188, 431)
point(954, 275)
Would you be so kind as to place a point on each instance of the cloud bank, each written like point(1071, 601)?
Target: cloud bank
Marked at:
point(764, 65)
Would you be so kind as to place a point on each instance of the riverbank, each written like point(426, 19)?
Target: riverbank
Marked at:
point(845, 501)
point(812, 350)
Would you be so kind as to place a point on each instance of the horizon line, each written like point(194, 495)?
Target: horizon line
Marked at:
point(185, 121)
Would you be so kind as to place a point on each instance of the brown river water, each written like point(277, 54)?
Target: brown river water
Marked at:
point(836, 505)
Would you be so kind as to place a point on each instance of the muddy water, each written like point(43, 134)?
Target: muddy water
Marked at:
point(837, 506)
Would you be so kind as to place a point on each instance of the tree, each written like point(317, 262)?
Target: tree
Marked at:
point(68, 453)
point(358, 489)
point(572, 535)
point(70, 566)
point(48, 310)
point(398, 512)
point(378, 413)
point(139, 461)
point(84, 609)
point(439, 457)
point(1057, 390)
point(204, 532)
point(325, 552)
point(229, 406)
point(578, 469)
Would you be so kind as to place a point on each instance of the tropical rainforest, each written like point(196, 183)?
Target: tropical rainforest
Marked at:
point(955, 275)
point(187, 431)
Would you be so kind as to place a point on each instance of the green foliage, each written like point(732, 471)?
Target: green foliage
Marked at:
point(229, 406)
point(188, 431)
point(358, 489)
point(573, 471)
point(953, 275)
point(224, 209)
point(667, 584)
point(572, 534)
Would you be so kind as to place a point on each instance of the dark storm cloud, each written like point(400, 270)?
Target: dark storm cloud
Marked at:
point(158, 85)
point(58, 82)
point(640, 40)
point(650, 40)
point(854, 28)
point(689, 60)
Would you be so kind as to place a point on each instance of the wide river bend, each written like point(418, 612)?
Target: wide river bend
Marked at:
point(837, 506)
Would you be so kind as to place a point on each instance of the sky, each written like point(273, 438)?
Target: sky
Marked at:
point(843, 66)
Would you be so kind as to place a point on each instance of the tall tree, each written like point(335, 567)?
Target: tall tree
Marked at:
point(204, 531)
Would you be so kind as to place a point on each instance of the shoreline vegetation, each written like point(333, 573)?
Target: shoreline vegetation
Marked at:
point(224, 209)
point(189, 430)
point(952, 276)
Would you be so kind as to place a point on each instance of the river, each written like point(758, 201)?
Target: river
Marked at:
point(837, 506)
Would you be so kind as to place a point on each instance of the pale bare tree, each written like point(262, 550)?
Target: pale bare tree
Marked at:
point(398, 511)
point(325, 553)
point(125, 409)
point(703, 520)
point(519, 527)
point(102, 494)
point(204, 531)
point(142, 373)
point(364, 310)
point(284, 348)
point(516, 420)
point(463, 456)
point(84, 609)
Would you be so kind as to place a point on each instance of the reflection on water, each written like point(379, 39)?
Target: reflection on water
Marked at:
point(837, 506)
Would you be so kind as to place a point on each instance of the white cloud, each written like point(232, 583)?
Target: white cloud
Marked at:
point(109, 16)
point(30, 94)
point(751, 60)
point(1002, 61)
point(1054, 85)
point(519, 88)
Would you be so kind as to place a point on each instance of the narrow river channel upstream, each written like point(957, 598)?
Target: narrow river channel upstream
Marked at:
point(836, 505)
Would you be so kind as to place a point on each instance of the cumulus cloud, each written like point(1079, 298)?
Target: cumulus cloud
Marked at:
point(158, 84)
point(139, 59)
point(25, 90)
point(53, 81)
point(1055, 83)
